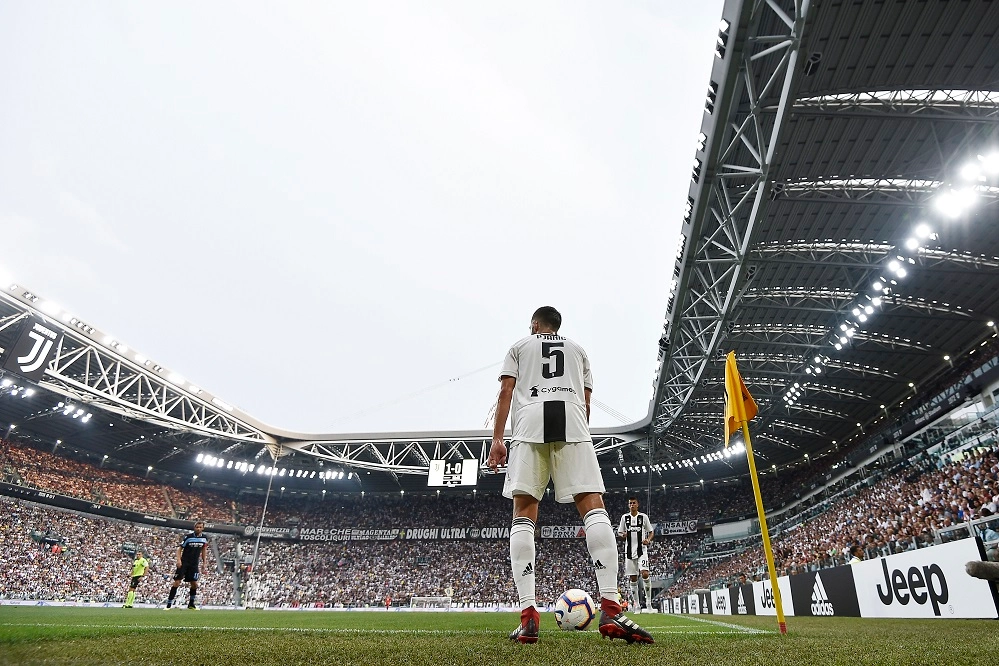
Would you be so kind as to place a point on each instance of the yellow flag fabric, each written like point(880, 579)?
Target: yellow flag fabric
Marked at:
point(739, 405)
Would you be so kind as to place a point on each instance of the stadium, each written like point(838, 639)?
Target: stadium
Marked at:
point(840, 235)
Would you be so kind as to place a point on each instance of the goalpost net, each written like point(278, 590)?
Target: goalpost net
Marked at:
point(439, 603)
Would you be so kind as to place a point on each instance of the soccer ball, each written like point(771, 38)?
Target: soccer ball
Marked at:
point(574, 610)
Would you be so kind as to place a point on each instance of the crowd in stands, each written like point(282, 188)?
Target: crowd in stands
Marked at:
point(895, 514)
point(52, 553)
point(61, 555)
point(65, 476)
point(55, 473)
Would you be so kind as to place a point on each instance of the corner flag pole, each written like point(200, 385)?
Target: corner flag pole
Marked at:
point(740, 408)
point(761, 513)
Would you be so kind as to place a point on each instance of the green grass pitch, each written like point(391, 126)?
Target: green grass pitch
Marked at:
point(37, 635)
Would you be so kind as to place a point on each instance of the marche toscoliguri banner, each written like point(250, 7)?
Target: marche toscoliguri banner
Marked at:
point(927, 583)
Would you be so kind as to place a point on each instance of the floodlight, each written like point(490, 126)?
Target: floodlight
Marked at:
point(912, 244)
point(923, 231)
point(838, 346)
point(877, 286)
point(894, 265)
point(856, 311)
point(862, 318)
point(876, 301)
point(869, 309)
point(971, 171)
point(201, 456)
point(818, 359)
point(990, 163)
point(901, 273)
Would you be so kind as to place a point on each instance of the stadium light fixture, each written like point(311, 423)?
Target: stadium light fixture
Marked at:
point(972, 171)
point(201, 456)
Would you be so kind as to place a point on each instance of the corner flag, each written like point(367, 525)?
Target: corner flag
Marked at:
point(739, 405)
point(740, 408)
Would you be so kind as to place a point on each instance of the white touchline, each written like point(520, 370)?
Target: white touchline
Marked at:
point(319, 630)
point(304, 630)
point(745, 630)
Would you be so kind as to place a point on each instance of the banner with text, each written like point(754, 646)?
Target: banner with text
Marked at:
point(929, 582)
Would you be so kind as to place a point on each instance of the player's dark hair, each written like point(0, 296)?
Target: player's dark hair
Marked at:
point(632, 498)
point(548, 317)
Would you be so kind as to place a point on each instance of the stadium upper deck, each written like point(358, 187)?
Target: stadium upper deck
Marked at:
point(839, 235)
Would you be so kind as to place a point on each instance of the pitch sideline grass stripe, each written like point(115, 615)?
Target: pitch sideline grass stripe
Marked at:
point(745, 630)
point(319, 630)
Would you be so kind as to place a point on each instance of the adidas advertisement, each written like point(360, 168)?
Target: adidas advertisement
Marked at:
point(763, 593)
point(720, 602)
point(35, 347)
point(741, 600)
point(825, 593)
point(929, 582)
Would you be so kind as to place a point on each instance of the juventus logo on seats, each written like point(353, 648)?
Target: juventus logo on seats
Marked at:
point(31, 353)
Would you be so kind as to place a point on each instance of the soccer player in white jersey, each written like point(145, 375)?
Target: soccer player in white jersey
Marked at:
point(636, 531)
point(545, 388)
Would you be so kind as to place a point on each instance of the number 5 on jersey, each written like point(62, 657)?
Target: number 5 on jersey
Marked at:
point(549, 351)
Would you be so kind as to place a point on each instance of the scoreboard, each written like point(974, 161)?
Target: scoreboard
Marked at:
point(451, 473)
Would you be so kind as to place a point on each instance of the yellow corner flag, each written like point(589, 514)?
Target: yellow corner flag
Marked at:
point(740, 409)
point(739, 405)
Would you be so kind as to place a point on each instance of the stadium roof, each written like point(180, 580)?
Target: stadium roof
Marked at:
point(840, 233)
point(836, 140)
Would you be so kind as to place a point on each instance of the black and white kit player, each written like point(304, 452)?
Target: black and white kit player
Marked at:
point(545, 388)
point(636, 531)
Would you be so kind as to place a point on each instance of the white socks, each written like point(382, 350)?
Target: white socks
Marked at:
point(603, 551)
point(646, 585)
point(522, 554)
point(635, 603)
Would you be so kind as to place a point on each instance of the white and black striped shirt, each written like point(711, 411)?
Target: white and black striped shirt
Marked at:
point(637, 528)
point(549, 404)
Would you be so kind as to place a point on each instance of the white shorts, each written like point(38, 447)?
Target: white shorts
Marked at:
point(571, 466)
point(632, 567)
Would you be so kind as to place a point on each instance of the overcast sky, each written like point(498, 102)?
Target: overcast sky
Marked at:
point(331, 214)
